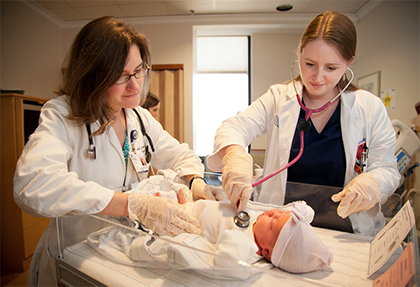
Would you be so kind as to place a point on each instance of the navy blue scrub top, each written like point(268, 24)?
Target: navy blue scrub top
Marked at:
point(323, 161)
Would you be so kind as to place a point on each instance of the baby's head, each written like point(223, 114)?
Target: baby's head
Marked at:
point(267, 228)
point(287, 240)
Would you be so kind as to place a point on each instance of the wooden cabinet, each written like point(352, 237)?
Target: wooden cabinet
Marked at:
point(168, 84)
point(20, 232)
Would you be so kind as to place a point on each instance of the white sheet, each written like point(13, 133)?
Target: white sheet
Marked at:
point(349, 268)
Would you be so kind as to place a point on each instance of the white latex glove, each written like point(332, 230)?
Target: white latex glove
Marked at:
point(362, 193)
point(201, 190)
point(237, 177)
point(162, 215)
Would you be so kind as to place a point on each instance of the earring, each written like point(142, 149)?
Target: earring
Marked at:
point(344, 77)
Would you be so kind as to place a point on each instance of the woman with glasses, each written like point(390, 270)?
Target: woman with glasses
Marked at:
point(90, 146)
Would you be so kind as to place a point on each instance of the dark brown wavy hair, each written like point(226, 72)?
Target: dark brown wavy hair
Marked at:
point(94, 63)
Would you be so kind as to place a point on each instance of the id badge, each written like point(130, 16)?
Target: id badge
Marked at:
point(139, 163)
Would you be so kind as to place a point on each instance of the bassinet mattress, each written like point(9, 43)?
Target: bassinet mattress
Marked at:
point(349, 268)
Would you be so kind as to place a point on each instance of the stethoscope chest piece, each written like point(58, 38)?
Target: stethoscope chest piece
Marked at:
point(242, 219)
point(304, 125)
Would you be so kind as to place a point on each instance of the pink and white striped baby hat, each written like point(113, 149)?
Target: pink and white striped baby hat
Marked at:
point(298, 249)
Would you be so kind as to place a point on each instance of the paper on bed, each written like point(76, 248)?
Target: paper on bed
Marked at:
point(385, 243)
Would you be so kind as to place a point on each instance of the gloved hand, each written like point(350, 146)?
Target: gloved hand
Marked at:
point(201, 190)
point(162, 215)
point(237, 177)
point(362, 193)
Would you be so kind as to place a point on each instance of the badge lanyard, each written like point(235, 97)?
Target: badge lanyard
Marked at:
point(140, 160)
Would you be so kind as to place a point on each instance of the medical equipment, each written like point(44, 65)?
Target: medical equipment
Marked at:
point(143, 131)
point(408, 144)
point(304, 125)
point(242, 219)
point(92, 148)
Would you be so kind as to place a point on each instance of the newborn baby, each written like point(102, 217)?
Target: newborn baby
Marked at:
point(283, 236)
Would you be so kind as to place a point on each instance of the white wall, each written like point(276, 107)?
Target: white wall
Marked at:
point(271, 69)
point(33, 49)
point(388, 41)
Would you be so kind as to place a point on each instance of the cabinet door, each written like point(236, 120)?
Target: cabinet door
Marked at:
point(19, 232)
point(168, 85)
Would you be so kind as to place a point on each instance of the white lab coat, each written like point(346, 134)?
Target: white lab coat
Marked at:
point(54, 176)
point(363, 117)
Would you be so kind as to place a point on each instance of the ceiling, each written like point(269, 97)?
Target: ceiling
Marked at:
point(72, 10)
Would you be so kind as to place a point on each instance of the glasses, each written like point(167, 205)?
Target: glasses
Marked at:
point(138, 74)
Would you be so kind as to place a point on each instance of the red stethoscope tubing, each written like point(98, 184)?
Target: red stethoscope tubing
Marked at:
point(308, 113)
point(284, 167)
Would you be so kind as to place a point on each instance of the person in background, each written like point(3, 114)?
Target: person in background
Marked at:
point(152, 104)
point(88, 147)
point(356, 122)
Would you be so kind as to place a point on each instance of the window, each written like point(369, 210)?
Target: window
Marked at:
point(221, 86)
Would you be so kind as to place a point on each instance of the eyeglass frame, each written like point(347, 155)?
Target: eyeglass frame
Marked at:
point(147, 69)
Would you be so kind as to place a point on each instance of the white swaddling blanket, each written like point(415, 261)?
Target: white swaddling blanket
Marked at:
point(220, 237)
point(130, 247)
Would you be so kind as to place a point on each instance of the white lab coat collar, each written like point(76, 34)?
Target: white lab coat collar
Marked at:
point(299, 88)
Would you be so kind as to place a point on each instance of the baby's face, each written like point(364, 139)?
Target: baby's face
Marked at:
point(267, 229)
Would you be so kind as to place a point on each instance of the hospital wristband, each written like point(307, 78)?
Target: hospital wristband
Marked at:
point(193, 178)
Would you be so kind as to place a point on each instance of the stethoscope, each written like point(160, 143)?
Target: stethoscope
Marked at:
point(133, 136)
point(304, 125)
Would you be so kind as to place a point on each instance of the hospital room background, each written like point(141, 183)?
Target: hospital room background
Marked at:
point(34, 44)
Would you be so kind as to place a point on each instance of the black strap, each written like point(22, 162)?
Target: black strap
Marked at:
point(91, 149)
point(143, 130)
point(89, 134)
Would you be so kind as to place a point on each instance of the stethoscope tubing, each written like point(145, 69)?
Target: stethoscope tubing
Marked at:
point(284, 167)
point(308, 113)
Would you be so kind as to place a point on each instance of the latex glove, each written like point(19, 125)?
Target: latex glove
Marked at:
point(201, 190)
point(162, 215)
point(237, 177)
point(362, 193)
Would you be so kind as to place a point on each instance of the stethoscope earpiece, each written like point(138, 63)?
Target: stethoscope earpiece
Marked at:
point(241, 219)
